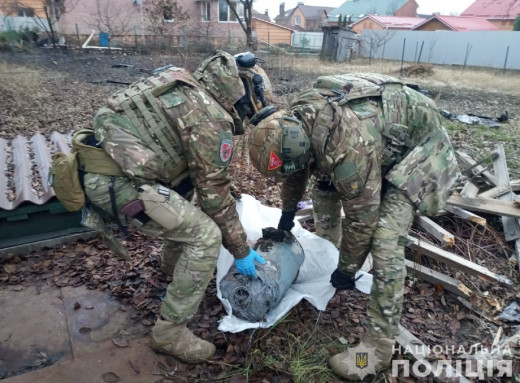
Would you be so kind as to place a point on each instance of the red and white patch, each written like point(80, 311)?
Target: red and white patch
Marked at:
point(226, 149)
point(274, 162)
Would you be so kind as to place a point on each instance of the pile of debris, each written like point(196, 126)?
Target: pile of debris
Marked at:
point(461, 252)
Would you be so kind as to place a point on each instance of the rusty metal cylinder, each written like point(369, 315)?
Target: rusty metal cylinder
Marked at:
point(252, 298)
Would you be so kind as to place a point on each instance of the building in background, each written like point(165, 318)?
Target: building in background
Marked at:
point(378, 23)
point(271, 33)
point(355, 10)
point(502, 13)
point(303, 17)
point(455, 23)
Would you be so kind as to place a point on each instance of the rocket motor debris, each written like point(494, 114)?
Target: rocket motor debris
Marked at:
point(251, 298)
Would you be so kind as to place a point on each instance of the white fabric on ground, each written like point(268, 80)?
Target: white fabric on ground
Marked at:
point(313, 282)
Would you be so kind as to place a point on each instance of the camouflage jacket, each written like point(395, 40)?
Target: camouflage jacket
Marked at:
point(398, 131)
point(166, 128)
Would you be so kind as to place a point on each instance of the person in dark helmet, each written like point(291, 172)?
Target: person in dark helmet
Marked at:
point(378, 151)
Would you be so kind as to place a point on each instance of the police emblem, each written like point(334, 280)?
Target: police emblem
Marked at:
point(226, 149)
point(274, 162)
point(361, 359)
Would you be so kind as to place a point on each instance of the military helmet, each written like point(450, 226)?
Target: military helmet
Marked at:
point(279, 146)
point(219, 77)
point(257, 85)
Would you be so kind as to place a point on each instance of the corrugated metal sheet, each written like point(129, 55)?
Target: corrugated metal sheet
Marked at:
point(25, 164)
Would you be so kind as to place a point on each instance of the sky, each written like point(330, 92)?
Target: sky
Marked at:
point(445, 7)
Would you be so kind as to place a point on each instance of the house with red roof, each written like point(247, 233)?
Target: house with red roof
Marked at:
point(502, 13)
point(378, 23)
point(303, 17)
point(455, 23)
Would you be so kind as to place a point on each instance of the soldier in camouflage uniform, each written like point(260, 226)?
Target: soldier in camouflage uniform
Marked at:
point(378, 150)
point(154, 143)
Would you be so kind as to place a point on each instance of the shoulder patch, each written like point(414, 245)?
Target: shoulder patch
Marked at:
point(226, 149)
point(274, 162)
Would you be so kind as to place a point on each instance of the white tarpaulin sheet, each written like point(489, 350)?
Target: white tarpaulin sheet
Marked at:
point(313, 282)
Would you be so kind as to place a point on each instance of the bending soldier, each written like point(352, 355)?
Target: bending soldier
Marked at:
point(378, 150)
point(151, 146)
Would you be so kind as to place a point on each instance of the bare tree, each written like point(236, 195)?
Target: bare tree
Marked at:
point(53, 10)
point(376, 39)
point(165, 16)
point(245, 20)
point(110, 19)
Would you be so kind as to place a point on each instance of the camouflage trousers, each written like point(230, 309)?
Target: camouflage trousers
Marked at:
point(388, 239)
point(177, 221)
point(389, 271)
point(327, 214)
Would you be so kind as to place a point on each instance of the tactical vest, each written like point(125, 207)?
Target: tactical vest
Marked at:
point(418, 157)
point(139, 104)
point(342, 89)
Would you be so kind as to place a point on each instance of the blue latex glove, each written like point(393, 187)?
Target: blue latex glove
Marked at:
point(247, 265)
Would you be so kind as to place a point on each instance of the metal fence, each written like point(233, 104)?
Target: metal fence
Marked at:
point(307, 40)
point(8, 23)
point(497, 49)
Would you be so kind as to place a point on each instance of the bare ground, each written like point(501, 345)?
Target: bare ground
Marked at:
point(50, 91)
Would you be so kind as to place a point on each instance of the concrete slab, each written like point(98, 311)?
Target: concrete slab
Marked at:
point(33, 331)
point(93, 317)
point(71, 335)
point(136, 363)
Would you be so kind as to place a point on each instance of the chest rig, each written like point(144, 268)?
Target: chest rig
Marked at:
point(350, 90)
point(140, 105)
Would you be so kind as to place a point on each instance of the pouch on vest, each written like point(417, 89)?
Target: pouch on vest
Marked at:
point(64, 178)
point(157, 208)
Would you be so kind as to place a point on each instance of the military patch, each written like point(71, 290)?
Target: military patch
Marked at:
point(274, 162)
point(226, 149)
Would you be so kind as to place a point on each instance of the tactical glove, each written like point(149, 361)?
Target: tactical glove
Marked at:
point(343, 281)
point(286, 220)
point(246, 265)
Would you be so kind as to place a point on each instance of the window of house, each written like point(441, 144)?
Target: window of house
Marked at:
point(205, 11)
point(297, 20)
point(168, 14)
point(226, 15)
point(25, 12)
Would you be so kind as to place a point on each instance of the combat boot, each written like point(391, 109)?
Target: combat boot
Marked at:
point(176, 340)
point(348, 366)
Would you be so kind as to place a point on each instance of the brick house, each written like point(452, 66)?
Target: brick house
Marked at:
point(303, 17)
point(26, 8)
point(501, 13)
point(378, 23)
point(455, 23)
point(355, 10)
point(206, 18)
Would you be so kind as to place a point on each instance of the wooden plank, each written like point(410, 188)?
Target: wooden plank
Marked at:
point(486, 205)
point(444, 256)
point(470, 190)
point(478, 169)
point(467, 215)
point(420, 352)
point(510, 225)
point(434, 277)
point(497, 191)
point(440, 234)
